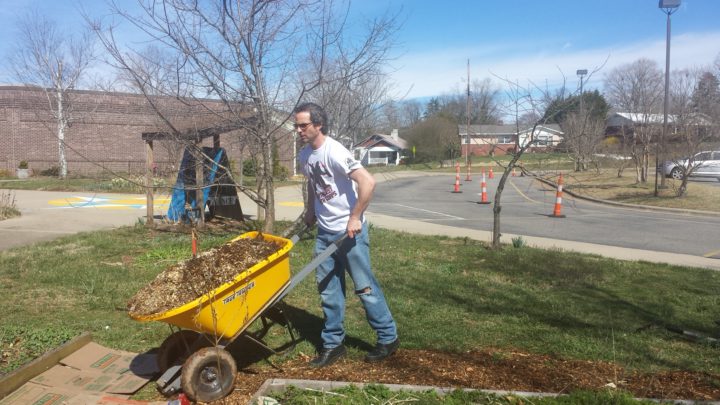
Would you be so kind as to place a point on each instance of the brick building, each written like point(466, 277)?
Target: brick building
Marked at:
point(106, 128)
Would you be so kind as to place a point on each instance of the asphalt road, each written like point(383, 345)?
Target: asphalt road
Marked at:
point(526, 207)
point(422, 205)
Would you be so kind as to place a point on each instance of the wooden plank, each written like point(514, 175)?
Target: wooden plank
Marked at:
point(17, 378)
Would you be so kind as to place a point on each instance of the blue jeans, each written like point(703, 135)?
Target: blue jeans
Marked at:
point(353, 256)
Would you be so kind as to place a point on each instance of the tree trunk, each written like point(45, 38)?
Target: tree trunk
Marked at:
point(497, 208)
point(683, 186)
point(61, 125)
point(269, 184)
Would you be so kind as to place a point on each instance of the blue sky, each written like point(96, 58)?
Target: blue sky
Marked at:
point(520, 40)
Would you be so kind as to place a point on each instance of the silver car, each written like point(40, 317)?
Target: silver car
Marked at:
point(704, 164)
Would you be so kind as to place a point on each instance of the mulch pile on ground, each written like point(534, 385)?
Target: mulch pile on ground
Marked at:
point(487, 369)
point(191, 279)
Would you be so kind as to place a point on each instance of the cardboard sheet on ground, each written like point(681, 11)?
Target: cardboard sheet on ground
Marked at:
point(93, 356)
point(92, 375)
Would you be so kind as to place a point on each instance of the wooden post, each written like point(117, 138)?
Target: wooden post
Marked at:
point(199, 183)
point(150, 198)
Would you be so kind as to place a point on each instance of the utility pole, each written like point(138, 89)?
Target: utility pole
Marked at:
point(467, 113)
point(668, 7)
point(517, 118)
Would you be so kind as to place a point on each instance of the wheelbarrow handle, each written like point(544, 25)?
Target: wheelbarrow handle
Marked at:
point(296, 238)
point(300, 276)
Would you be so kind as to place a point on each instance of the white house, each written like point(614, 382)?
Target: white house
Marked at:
point(501, 139)
point(380, 149)
point(545, 136)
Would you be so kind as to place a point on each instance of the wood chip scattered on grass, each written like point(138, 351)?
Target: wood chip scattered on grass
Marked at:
point(189, 280)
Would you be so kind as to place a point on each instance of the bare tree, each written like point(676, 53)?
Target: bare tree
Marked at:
point(583, 125)
point(259, 58)
point(434, 139)
point(693, 100)
point(522, 102)
point(637, 88)
point(355, 104)
point(411, 113)
point(47, 57)
point(484, 103)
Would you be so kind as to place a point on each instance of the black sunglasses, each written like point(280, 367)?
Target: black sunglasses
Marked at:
point(302, 126)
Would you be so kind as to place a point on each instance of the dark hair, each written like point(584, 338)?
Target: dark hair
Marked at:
point(317, 115)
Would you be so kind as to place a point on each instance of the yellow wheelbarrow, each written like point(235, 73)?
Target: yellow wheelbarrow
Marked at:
point(194, 358)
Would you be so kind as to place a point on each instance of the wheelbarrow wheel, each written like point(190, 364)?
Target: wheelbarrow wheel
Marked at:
point(208, 374)
point(178, 347)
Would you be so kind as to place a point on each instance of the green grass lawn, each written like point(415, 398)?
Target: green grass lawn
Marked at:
point(446, 294)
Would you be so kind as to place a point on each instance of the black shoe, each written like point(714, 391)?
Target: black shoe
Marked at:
point(328, 356)
point(382, 351)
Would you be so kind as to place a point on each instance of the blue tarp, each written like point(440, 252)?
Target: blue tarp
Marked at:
point(186, 177)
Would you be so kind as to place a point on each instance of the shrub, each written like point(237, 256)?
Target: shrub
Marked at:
point(7, 205)
point(518, 242)
point(51, 172)
point(134, 183)
point(281, 173)
point(248, 167)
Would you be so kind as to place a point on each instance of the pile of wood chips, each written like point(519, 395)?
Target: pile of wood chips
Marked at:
point(191, 279)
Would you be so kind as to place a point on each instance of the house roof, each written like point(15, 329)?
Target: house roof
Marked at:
point(619, 118)
point(639, 118)
point(498, 130)
point(553, 128)
point(379, 139)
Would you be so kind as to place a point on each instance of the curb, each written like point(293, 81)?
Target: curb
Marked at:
point(626, 205)
point(274, 385)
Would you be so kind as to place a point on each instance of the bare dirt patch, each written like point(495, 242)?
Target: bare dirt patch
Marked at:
point(487, 369)
point(191, 279)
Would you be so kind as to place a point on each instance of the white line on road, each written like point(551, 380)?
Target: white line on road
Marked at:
point(421, 209)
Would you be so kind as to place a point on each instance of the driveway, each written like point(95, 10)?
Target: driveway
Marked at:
point(47, 215)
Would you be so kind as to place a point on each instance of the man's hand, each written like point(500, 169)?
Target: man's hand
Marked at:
point(365, 187)
point(354, 227)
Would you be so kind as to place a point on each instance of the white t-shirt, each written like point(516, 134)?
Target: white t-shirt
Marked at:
point(328, 171)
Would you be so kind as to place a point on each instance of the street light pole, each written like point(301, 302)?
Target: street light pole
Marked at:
point(668, 7)
point(581, 73)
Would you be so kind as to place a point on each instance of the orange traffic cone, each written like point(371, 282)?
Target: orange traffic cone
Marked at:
point(558, 200)
point(483, 194)
point(491, 175)
point(513, 171)
point(467, 178)
point(457, 184)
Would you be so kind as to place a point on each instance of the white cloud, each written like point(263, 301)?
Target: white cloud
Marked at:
point(436, 72)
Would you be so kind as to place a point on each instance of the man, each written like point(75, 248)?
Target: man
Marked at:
point(339, 191)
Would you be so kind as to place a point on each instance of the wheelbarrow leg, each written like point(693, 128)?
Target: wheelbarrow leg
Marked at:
point(169, 382)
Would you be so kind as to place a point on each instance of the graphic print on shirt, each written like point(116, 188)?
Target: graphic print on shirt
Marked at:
point(323, 190)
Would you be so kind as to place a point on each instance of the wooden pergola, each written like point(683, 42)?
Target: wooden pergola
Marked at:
point(192, 136)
